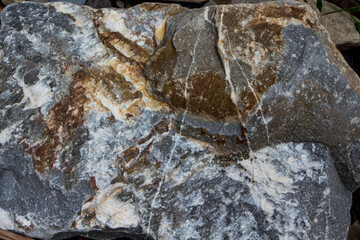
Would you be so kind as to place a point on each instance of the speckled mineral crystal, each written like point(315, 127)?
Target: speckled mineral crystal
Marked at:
point(226, 122)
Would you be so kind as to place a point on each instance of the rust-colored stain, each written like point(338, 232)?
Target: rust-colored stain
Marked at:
point(62, 121)
point(263, 34)
point(26, 228)
point(207, 96)
point(112, 39)
point(173, 10)
point(223, 144)
point(92, 182)
point(160, 128)
point(276, 11)
point(133, 161)
point(115, 85)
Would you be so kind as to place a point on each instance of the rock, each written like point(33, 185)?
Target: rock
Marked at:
point(99, 3)
point(354, 231)
point(226, 122)
point(210, 3)
point(120, 4)
point(188, 1)
point(7, 2)
point(79, 2)
point(339, 25)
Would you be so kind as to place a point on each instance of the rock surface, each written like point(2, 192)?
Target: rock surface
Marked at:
point(339, 25)
point(227, 122)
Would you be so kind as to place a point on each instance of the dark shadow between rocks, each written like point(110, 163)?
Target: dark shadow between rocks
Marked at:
point(93, 235)
point(354, 230)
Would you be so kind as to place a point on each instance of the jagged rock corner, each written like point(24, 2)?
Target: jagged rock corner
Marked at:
point(225, 122)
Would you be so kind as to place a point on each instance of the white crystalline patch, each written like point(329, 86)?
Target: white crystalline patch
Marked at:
point(355, 121)
point(113, 108)
point(37, 95)
point(140, 32)
point(5, 135)
point(100, 157)
point(90, 47)
point(195, 199)
point(165, 231)
point(22, 220)
point(274, 172)
point(6, 221)
point(110, 211)
point(115, 214)
point(115, 22)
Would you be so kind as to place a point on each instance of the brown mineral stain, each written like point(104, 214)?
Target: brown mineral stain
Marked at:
point(115, 85)
point(224, 144)
point(92, 182)
point(170, 11)
point(276, 11)
point(135, 163)
point(160, 128)
point(65, 119)
point(130, 154)
point(97, 16)
point(231, 159)
point(26, 228)
point(207, 96)
point(62, 121)
point(115, 40)
point(160, 83)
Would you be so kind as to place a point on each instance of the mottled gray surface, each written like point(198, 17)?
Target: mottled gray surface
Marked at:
point(235, 124)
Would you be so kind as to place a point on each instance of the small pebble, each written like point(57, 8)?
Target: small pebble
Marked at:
point(120, 4)
point(99, 3)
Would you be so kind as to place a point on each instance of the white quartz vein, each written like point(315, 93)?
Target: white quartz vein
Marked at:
point(176, 136)
point(228, 75)
point(226, 64)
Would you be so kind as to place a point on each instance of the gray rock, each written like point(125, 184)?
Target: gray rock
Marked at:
point(8, 2)
point(339, 25)
point(79, 2)
point(120, 4)
point(227, 122)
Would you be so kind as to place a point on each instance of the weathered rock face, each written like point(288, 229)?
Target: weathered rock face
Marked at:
point(340, 25)
point(227, 122)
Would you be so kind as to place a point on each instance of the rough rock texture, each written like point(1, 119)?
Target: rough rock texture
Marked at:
point(339, 25)
point(227, 122)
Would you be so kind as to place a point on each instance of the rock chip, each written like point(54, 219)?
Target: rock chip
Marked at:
point(120, 4)
point(226, 122)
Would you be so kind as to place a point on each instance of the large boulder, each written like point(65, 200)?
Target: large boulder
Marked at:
point(226, 122)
